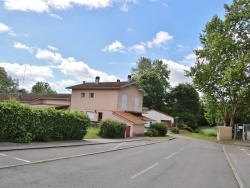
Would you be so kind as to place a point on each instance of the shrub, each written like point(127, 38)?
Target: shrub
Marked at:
point(112, 129)
point(185, 127)
point(161, 128)
point(151, 133)
point(21, 123)
point(175, 130)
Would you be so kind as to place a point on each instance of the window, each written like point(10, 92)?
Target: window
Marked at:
point(91, 115)
point(91, 95)
point(82, 95)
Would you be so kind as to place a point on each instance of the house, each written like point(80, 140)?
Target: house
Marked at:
point(57, 101)
point(118, 100)
point(160, 117)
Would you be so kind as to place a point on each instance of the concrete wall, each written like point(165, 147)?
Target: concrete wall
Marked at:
point(131, 92)
point(224, 133)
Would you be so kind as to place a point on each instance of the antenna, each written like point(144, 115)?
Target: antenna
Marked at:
point(24, 74)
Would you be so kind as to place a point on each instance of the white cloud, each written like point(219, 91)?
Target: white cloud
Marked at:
point(138, 49)
point(55, 16)
point(7, 29)
point(182, 47)
point(82, 71)
point(52, 48)
point(189, 59)
point(160, 40)
point(177, 74)
point(129, 30)
point(27, 74)
point(19, 45)
point(116, 46)
point(49, 56)
point(41, 6)
point(27, 5)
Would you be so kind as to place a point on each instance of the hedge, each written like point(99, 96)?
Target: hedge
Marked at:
point(112, 129)
point(21, 123)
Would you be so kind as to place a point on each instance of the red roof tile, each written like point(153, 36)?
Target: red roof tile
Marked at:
point(129, 117)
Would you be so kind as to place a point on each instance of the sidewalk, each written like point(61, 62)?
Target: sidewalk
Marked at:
point(9, 146)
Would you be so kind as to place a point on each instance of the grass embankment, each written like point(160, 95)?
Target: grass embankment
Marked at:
point(206, 133)
point(92, 133)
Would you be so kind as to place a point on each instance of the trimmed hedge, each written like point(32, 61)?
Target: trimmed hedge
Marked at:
point(157, 129)
point(112, 129)
point(161, 128)
point(20, 123)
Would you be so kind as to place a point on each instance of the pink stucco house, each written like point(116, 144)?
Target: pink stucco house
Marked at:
point(120, 100)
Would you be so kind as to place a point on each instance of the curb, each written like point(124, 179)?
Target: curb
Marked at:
point(237, 177)
point(81, 155)
point(62, 146)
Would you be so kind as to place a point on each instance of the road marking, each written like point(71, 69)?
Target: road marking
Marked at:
point(118, 145)
point(15, 158)
point(140, 173)
point(171, 155)
point(234, 170)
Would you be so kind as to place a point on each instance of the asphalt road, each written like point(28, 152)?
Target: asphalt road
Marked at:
point(178, 163)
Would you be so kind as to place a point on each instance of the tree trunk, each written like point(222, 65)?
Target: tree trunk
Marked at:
point(232, 121)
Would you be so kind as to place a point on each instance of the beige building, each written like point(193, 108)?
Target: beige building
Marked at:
point(118, 100)
point(57, 101)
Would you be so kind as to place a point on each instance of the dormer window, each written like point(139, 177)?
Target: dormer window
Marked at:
point(91, 95)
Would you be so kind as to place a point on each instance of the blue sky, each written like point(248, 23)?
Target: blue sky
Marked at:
point(65, 42)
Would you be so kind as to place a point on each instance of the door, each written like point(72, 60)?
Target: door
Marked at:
point(99, 116)
point(128, 131)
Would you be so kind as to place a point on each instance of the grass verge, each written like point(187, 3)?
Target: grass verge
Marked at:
point(92, 133)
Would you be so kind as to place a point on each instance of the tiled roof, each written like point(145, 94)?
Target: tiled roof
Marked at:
point(27, 97)
point(129, 117)
point(101, 85)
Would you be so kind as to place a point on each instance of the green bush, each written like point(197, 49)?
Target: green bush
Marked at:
point(112, 129)
point(151, 133)
point(161, 128)
point(185, 127)
point(175, 130)
point(21, 123)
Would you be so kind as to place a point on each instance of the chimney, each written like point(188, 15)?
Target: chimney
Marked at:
point(129, 78)
point(118, 80)
point(83, 82)
point(97, 79)
point(20, 93)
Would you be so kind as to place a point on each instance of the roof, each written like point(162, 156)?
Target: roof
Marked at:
point(28, 97)
point(105, 85)
point(160, 113)
point(129, 117)
point(56, 106)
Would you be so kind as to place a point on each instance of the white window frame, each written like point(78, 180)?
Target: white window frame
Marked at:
point(91, 95)
point(83, 95)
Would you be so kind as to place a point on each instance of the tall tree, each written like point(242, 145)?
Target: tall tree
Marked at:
point(42, 87)
point(223, 65)
point(153, 76)
point(7, 84)
point(151, 83)
point(183, 102)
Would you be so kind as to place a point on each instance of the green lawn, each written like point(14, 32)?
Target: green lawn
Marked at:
point(206, 133)
point(92, 132)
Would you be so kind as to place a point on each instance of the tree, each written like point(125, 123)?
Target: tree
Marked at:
point(7, 84)
point(153, 76)
point(223, 65)
point(42, 87)
point(183, 102)
point(151, 83)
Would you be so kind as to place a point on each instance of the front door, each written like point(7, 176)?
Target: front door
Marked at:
point(128, 131)
point(99, 116)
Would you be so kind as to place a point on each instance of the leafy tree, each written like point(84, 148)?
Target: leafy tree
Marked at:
point(183, 101)
point(151, 83)
point(7, 84)
point(223, 65)
point(42, 87)
point(153, 76)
